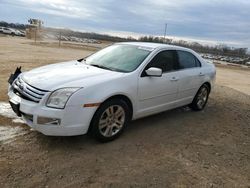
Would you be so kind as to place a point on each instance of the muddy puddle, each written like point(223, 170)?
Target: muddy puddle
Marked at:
point(9, 133)
point(6, 111)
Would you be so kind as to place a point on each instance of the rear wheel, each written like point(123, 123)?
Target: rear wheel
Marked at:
point(110, 120)
point(200, 99)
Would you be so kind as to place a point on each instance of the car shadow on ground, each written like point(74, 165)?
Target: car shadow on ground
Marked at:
point(133, 132)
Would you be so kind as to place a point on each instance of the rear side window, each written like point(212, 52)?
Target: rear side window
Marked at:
point(165, 60)
point(187, 60)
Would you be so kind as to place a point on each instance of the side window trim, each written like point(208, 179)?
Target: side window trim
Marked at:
point(198, 61)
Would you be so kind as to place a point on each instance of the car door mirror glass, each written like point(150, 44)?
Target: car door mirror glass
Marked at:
point(153, 71)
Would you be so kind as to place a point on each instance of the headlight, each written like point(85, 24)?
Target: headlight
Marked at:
point(59, 98)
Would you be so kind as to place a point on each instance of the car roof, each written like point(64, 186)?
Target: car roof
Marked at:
point(153, 46)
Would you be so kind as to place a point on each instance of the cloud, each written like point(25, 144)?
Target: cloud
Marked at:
point(223, 21)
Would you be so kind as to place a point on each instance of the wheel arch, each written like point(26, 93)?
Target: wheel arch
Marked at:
point(208, 85)
point(126, 99)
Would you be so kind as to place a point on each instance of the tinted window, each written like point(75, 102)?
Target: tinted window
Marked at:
point(187, 60)
point(198, 63)
point(165, 60)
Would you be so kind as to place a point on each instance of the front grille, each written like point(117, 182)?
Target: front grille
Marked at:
point(27, 91)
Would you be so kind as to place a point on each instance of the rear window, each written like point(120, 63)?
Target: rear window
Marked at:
point(187, 60)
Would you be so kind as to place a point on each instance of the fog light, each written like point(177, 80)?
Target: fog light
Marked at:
point(28, 117)
point(48, 121)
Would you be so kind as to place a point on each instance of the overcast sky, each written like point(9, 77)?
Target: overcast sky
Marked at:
point(211, 21)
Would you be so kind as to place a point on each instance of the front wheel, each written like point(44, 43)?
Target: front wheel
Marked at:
point(200, 99)
point(110, 120)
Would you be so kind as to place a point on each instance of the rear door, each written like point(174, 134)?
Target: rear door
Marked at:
point(190, 76)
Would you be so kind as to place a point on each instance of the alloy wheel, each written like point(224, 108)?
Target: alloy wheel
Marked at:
point(112, 120)
point(202, 97)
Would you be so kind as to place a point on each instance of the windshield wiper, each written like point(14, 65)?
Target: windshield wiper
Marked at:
point(101, 66)
point(107, 68)
point(80, 60)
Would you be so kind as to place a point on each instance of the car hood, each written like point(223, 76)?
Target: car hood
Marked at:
point(67, 74)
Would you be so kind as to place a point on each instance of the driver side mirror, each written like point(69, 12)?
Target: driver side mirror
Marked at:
point(153, 71)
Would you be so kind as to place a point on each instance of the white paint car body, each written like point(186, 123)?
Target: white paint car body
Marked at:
point(147, 95)
point(7, 30)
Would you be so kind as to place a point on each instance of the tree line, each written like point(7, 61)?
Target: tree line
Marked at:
point(13, 25)
point(220, 49)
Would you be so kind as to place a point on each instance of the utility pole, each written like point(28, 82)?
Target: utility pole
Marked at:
point(35, 34)
point(60, 36)
point(165, 32)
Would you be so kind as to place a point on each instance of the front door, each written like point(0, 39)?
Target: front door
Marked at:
point(157, 94)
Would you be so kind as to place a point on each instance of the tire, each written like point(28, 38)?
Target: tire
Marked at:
point(12, 34)
point(110, 120)
point(200, 100)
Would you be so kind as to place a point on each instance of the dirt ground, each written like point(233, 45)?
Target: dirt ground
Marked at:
point(234, 77)
point(177, 148)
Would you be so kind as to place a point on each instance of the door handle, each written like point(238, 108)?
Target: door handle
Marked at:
point(174, 78)
point(201, 74)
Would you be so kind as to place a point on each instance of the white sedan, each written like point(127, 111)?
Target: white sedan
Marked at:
point(9, 31)
point(103, 92)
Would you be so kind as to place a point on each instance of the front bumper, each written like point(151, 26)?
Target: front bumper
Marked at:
point(74, 120)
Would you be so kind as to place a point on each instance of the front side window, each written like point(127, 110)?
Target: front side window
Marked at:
point(187, 60)
point(120, 57)
point(165, 60)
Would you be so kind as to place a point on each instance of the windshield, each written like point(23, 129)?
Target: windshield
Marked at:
point(122, 58)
